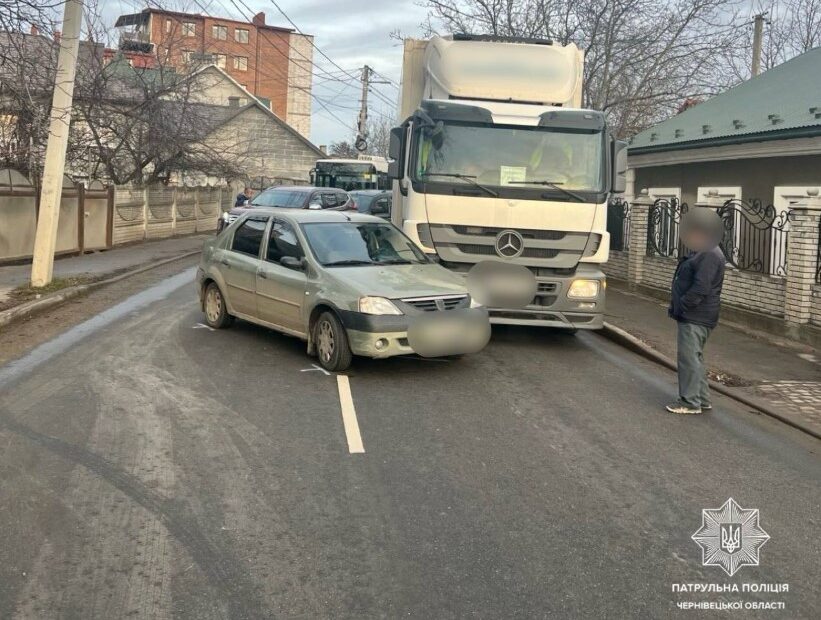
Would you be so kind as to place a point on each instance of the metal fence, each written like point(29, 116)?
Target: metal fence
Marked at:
point(618, 224)
point(818, 256)
point(663, 223)
point(755, 236)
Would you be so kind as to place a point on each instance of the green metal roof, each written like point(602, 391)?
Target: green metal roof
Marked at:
point(780, 103)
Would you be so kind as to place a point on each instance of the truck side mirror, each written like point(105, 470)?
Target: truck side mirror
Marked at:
point(396, 153)
point(618, 157)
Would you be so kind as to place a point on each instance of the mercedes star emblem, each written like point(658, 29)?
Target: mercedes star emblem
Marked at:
point(509, 244)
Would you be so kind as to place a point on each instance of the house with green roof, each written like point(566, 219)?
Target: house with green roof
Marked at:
point(759, 140)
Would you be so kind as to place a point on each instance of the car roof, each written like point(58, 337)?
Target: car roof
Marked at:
point(303, 188)
point(369, 192)
point(302, 216)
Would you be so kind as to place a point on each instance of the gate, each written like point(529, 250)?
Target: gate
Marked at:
point(663, 223)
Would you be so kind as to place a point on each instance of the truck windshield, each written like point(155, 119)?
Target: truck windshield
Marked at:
point(512, 156)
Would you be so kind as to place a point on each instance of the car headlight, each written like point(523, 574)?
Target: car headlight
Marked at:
point(583, 289)
point(475, 304)
point(377, 305)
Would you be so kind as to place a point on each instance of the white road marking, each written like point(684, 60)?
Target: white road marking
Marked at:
point(349, 416)
point(203, 326)
point(315, 368)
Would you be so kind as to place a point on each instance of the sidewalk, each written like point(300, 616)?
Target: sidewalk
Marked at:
point(108, 262)
point(786, 375)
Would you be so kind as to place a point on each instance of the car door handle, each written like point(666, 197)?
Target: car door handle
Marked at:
point(262, 275)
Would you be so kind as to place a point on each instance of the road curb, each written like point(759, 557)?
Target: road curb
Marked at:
point(36, 306)
point(629, 341)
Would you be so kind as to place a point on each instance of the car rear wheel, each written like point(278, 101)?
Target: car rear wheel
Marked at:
point(216, 312)
point(331, 340)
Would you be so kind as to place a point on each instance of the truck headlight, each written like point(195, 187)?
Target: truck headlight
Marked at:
point(377, 305)
point(583, 289)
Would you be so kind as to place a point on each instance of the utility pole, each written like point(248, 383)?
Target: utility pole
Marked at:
point(361, 142)
point(49, 214)
point(758, 35)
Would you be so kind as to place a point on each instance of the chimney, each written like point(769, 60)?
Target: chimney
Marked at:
point(57, 35)
point(323, 148)
point(259, 19)
point(34, 30)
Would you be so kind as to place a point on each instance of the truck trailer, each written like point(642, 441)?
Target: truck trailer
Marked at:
point(496, 160)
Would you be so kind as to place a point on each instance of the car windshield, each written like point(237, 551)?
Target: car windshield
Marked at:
point(279, 198)
point(360, 243)
point(511, 156)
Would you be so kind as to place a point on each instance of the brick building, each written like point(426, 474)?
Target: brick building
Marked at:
point(272, 63)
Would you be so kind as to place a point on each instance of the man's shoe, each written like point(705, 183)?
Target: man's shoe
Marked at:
point(707, 407)
point(683, 409)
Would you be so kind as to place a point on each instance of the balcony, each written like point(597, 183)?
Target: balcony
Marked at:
point(135, 41)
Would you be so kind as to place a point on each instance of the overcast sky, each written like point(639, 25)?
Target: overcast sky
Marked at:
point(351, 32)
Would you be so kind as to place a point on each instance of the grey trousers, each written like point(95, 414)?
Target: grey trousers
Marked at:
point(692, 374)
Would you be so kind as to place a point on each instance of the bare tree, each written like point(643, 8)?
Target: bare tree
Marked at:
point(343, 149)
point(643, 57)
point(128, 124)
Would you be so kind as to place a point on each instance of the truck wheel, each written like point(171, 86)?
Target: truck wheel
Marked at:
point(331, 340)
point(216, 312)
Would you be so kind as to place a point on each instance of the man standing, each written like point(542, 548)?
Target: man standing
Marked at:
point(695, 302)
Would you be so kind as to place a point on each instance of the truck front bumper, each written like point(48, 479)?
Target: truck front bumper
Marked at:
point(553, 308)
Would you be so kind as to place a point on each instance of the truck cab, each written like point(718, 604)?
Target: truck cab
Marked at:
point(495, 161)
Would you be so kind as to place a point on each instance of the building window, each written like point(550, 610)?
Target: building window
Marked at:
point(187, 55)
point(241, 35)
point(189, 29)
point(220, 60)
point(219, 32)
point(241, 63)
point(167, 26)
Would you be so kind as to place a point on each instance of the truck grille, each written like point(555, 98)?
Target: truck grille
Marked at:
point(432, 304)
point(543, 249)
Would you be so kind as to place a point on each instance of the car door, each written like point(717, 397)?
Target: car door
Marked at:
point(280, 289)
point(240, 263)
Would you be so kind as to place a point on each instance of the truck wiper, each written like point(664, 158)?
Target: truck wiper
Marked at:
point(465, 177)
point(552, 185)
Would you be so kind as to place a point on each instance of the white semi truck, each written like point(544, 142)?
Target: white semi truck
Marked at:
point(495, 160)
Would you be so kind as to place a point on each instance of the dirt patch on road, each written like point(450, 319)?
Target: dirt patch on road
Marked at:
point(20, 336)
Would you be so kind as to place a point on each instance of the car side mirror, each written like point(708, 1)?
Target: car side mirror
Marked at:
point(396, 153)
point(619, 161)
point(292, 262)
point(314, 205)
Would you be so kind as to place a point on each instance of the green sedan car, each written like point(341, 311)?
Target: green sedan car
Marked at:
point(347, 283)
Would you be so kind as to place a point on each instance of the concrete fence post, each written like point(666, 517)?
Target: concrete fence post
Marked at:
point(146, 212)
point(802, 259)
point(174, 197)
point(637, 244)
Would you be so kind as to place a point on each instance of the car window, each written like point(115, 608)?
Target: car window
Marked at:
point(381, 206)
point(279, 198)
point(341, 199)
point(328, 200)
point(248, 236)
point(283, 242)
point(360, 243)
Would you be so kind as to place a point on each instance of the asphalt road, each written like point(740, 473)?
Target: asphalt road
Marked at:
point(153, 468)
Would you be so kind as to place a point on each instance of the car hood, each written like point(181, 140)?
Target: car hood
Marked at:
point(397, 281)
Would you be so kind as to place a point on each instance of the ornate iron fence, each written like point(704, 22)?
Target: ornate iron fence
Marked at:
point(755, 236)
point(618, 224)
point(663, 221)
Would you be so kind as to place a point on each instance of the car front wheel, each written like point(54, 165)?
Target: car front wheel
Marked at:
point(216, 312)
point(332, 346)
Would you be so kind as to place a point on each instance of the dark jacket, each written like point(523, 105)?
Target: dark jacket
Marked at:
point(241, 200)
point(697, 288)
